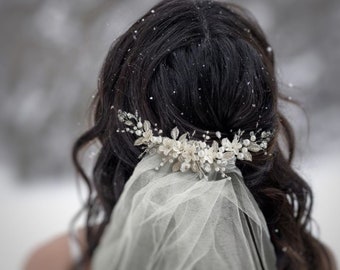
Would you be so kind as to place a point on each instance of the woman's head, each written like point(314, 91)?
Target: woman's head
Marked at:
point(199, 65)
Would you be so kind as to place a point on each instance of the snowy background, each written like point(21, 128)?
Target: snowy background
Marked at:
point(50, 55)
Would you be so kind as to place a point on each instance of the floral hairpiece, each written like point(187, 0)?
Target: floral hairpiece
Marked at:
point(196, 155)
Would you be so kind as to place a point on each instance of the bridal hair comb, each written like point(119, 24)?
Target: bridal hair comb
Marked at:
point(196, 155)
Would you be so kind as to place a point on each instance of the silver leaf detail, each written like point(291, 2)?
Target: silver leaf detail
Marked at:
point(128, 123)
point(147, 125)
point(174, 133)
point(183, 137)
point(214, 145)
point(139, 141)
point(253, 147)
point(247, 156)
point(228, 155)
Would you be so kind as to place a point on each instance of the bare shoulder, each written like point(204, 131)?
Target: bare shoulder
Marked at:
point(54, 254)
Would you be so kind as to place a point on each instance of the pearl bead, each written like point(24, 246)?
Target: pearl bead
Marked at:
point(218, 134)
point(246, 142)
point(201, 153)
point(240, 156)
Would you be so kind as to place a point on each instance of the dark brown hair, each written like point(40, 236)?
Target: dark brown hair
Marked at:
point(200, 65)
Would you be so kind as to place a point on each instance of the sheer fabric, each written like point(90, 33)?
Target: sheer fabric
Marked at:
point(174, 221)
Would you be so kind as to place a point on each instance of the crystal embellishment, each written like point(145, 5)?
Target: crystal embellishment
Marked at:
point(195, 155)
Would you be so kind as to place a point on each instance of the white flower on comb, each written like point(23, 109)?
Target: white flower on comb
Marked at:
point(196, 155)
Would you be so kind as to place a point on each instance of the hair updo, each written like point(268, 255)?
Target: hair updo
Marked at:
point(200, 65)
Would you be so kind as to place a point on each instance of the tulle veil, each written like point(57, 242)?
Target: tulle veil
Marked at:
point(176, 221)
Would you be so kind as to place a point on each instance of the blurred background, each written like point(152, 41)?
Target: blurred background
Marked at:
point(50, 56)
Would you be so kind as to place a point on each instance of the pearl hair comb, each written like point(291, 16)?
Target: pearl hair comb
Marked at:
point(197, 155)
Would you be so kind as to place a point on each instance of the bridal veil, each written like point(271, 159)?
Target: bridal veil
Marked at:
point(176, 221)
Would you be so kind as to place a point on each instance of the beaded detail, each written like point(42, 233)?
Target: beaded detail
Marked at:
point(195, 155)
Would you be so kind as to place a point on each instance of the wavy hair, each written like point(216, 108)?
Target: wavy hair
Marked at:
point(200, 65)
